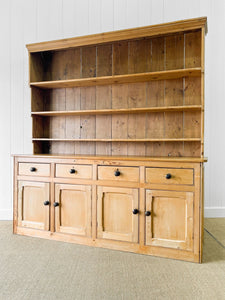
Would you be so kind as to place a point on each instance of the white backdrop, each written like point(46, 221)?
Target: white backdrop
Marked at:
point(28, 21)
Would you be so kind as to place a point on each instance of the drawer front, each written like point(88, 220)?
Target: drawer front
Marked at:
point(74, 171)
point(118, 173)
point(34, 169)
point(169, 176)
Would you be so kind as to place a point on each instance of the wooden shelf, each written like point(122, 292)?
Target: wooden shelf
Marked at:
point(118, 111)
point(117, 140)
point(117, 79)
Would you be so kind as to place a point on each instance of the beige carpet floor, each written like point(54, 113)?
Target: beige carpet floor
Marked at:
point(36, 269)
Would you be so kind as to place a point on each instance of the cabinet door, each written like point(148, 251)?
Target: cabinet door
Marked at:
point(170, 223)
point(115, 217)
point(73, 213)
point(31, 209)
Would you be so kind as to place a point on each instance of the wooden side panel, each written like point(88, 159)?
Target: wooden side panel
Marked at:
point(73, 215)
point(114, 214)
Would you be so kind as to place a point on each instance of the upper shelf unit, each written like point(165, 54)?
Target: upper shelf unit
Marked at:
point(131, 92)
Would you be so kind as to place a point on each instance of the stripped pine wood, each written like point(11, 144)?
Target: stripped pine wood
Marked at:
point(72, 122)
point(58, 124)
point(119, 124)
point(174, 45)
point(117, 79)
point(65, 64)
point(89, 62)
point(136, 122)
point(193, 49)
point(147, 31)
point(118, 134)
point(116, 111)
point(120, 58)
point(104, 122)
point(88, 123)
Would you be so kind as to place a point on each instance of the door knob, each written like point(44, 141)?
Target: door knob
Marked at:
point(72, 171)
point(148, 213)
point(56, 204)
point(117, 173)
point(135, 211)
point(33, 169)
point(168, 176)
point(46, 202)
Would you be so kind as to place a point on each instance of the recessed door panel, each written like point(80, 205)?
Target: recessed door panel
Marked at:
point(73, 213)
point(170, 223)
point(32, 209)
point(115, 214)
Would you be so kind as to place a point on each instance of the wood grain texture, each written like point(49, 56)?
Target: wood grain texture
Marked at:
point(117, 79)
point(153, 30)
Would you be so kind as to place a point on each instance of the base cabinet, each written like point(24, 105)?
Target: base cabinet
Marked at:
point(117, 214)
point(33, 204)
point(159, 215)
point(73, 209)
point(169, 221)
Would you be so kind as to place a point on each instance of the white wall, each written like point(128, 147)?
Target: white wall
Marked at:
point(27, 21)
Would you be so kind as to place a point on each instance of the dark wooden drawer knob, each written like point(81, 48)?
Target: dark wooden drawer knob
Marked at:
point(56, 204)
point(72, 171)
point(135, 211)
point(33, 169)
point(117, 173)
point(148, 213)
point(168, 176)
point(46, 202)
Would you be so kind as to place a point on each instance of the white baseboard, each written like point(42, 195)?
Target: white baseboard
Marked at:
point(6, 214)
point(214, 212)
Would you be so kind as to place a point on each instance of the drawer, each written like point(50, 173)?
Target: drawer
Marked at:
point(118, 173)
point(73, 171)
point(169, 176)
point(34, 169)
